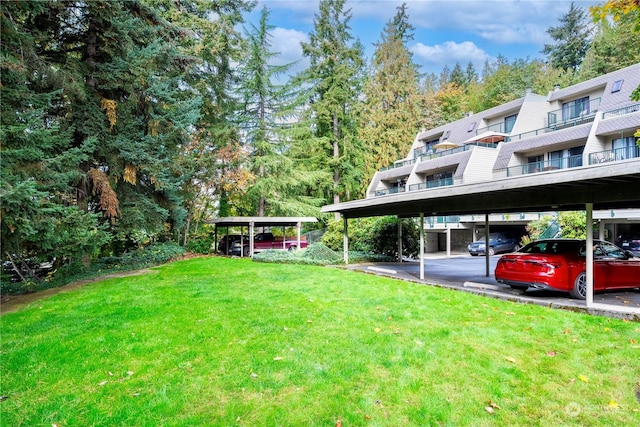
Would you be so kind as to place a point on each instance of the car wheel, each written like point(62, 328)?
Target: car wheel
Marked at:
point(516, 248)
point(492, 251)
point(473, 254)
point(580, 286)
point(292, 248)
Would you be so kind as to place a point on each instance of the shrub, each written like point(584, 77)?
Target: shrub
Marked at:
point(375, 235)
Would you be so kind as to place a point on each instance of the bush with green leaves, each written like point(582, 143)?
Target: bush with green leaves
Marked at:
point(377, 235)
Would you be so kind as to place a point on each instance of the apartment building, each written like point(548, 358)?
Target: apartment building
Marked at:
point(589, 123)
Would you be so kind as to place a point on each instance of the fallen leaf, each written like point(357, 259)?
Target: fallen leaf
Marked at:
point(567, 331)
point(489, 409)
point(339, 423)
point(510, 359)
point(632, 341)
point(129, 373)
point(253, 375)
point(583, 378)
point(552, 353)
point(110, 374)
point(493, 404)
point(103, 383)
point(613, 404)
point(510, 313)
point(278, 358)
point(377, 330)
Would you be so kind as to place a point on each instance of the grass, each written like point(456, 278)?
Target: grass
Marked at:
point(225, 342)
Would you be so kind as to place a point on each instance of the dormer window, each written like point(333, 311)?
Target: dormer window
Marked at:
point(446, 135)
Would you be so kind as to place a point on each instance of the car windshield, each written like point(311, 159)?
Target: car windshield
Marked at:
point(550, 247)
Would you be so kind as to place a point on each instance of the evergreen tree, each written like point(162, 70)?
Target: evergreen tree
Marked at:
point(391, 110)
point(572, 40)
point(276, 177)
point(214, 179)
point(334, 77)
point(457, 76)
point(93, 112)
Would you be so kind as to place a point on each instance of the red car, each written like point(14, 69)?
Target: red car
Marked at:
point(559, 265)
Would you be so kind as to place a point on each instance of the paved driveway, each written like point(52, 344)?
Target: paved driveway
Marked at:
point(464, 272)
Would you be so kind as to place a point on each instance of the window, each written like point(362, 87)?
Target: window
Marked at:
point(446, 135)
point(577, 108)
point(575, 156)
point(555, 159)
point(472, 126)
point(625, 148)
point(509, 121)
point(617, 85)
point(439, 179)
point(535, 163)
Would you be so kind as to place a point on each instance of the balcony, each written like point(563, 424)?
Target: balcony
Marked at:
point(431, 184)
point(496, 127)
point(621, 111)
point(573, 114)
point(607, 156)
point(393, 190)
point(555, 164)
point(465, 147)
point(398, 164)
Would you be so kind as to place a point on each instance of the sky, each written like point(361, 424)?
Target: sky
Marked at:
point(446, 32)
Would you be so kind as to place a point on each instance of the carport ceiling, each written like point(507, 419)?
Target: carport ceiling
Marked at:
point(608, 186)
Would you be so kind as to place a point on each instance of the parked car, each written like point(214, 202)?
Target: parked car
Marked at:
point(498, 243)
point(226, 243)
point(630, 242)
point(560, 265)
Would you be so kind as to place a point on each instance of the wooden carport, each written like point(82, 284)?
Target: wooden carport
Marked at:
point(613, 185)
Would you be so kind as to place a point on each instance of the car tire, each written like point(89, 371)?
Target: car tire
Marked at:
point(292, 248)
point(473, 254)
point(492, 251)
point(580, 287)
point(516, 248)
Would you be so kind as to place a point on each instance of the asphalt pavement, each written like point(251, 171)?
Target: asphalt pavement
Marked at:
point(464, 272)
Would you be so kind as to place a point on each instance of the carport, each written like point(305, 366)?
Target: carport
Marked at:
point(603, 186)
point(251, 222)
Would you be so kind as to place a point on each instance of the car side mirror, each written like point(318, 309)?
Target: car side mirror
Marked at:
point(629, 254)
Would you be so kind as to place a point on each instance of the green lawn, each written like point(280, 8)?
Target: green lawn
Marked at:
point(224, 342)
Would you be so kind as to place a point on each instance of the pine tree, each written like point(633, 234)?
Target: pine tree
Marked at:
point(334, 77)
point(276, 177)
point(572, 40)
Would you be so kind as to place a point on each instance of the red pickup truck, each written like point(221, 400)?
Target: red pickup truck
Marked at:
point(263, 241)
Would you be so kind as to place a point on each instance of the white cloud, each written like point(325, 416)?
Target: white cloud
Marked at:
point(286, 43)
point(448, 53)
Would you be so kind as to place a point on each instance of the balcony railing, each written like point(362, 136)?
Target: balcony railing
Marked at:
point(535, 167)
point(573, 114)
point(621, 111)
point(431, 184)
point(496, 127)
point(431, 221)
point(465, 147)
point(398, 164)
point(623, 153)
point(394, 190)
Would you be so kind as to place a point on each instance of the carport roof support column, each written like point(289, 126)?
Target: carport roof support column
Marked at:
point(345, 240)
